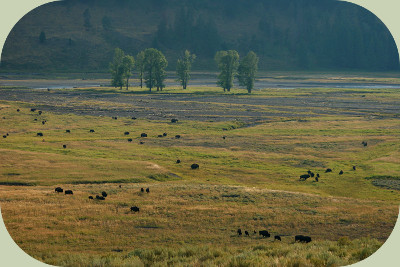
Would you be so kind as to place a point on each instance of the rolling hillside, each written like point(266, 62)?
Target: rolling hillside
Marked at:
point(80, 35)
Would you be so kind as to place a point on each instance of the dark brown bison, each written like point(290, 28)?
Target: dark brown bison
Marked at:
point(264, 233)
point(133, 118)
point(126, 133)
point(174, 120)
point(104, 194)
point(177, 136)
point(17, 110)
point(100, 197)
point(69, 192)
point(304, 177)
point(354, 168)
point(129, 139)
point(147, 190)
point(164, 134)
point(277, 237)
point(68, 131)
point(39, 134)
point(64, 146)
point(135, 209)
point(142, 190)
point(239, 231)
point(160, 135)
point(143, 135)
point(90, 197)
point(341, 172)
point(246, 233)
point(178, 161)
point(40, 112)
point(302, 239)
point(194, 166)
point(33, 109)
point(59, 190)
point(91, 131)
point(328, 170)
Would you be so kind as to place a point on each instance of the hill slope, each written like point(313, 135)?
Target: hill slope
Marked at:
point(80, 35)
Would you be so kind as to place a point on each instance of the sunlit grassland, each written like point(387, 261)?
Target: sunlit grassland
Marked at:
point(248, 180)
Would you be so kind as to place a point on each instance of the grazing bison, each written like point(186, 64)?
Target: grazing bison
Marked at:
point(141, 142)
point(302, 239)
point(164, 134)
point(316, 179)
point(178, 161)
point(143, 135)
point(341, 172)
point(354, 168)
point(68, 131)
point(126, 133)
point(142, 189)
point(177, 136)
point(40, 112)
point(90, 197)
point(91, 131)
point(304, 177)
point(174, 120)
point(104, 194)
point(69, 192)
point(364, 143)
point(194, 166)
point(246, 233)
point(328, 170)
point(115, 118)
point(33, 109)
point(43, 122)
point(17, 110)
point(147, 190)
point(277, 237)
point(4, 136)
point(129, 139)
point(223, 137)
point(34, 119)
point(133, 118)
point(239, 231)
point(160, 135)
point(39, 134)
point(59, 190)
point(264, 233)
point(135, 209)
point(100, 197)
point(64, 146)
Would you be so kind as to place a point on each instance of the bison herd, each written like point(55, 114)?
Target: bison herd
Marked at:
point(309, 174)
point(266, 234)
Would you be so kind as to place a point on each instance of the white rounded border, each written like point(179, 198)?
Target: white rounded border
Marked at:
point(11, 11)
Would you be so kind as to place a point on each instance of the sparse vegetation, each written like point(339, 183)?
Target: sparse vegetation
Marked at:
point(248, 180)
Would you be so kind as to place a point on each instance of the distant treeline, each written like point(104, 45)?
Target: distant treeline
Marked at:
point(79, 35)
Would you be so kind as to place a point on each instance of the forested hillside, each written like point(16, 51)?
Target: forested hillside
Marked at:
point(81, 35)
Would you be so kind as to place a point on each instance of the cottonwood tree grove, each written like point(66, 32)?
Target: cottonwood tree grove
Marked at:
point(121, 68)
point(228, 63)
point(154, 64)
point(183, 67)
point(247, 71)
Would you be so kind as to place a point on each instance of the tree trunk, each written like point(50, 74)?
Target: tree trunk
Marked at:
point(127, 83)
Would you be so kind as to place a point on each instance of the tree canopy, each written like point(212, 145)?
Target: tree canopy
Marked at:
point(228, 63)
point(247, 70)
point(183, 68)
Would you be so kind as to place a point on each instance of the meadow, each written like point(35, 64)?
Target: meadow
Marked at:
point(251, 150)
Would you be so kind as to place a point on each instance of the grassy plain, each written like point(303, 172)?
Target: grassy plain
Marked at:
point(249, 180)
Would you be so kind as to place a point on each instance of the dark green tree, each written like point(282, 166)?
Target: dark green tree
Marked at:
point(227, 62)
point(107, 24)
point(154, 68)
point(140, 66)
point(247, 71)
point(183, 68)
point(128, 62)
point(86, 19)
point(42, 37)
point(117, 69)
